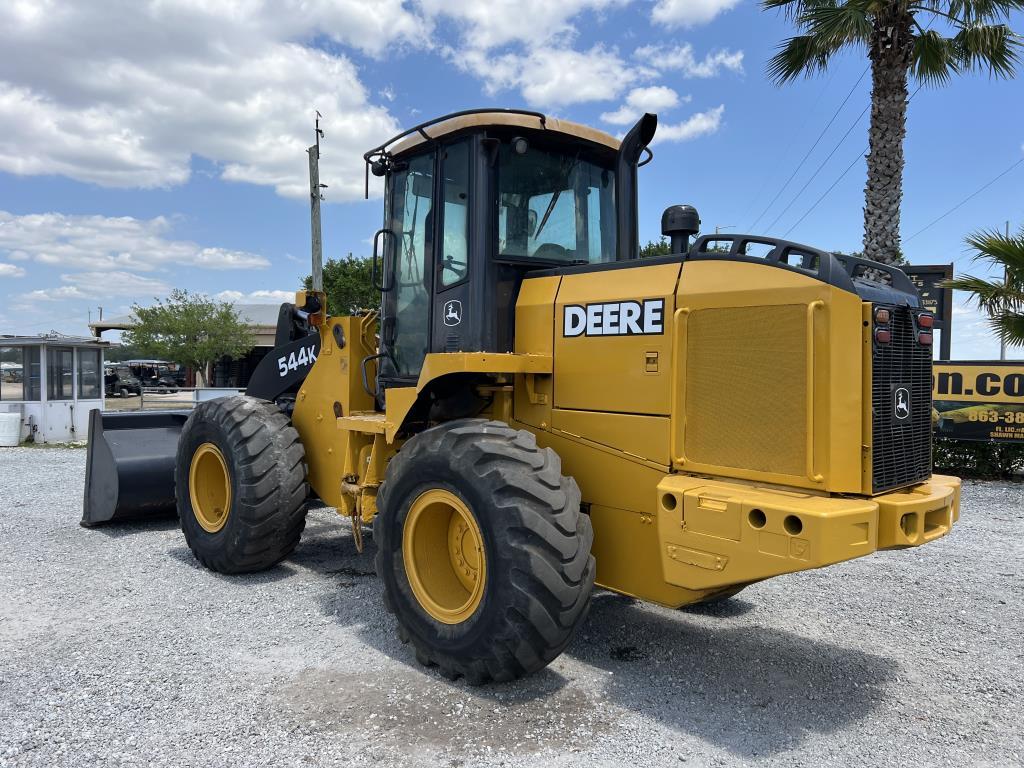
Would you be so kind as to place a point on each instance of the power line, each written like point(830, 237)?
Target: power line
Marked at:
point(817, 170)
point(841, 176)
point(847, 169)
point(782, 157)
point(973, 194)
point(825, 193)
point(809, 151)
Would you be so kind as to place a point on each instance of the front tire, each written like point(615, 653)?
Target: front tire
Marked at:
point(240, 484)
point(483, 551)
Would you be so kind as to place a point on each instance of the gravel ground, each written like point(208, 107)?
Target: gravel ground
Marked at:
point(117, 648)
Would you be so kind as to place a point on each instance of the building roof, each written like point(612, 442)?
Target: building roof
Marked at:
point(514, 119)
point(51, 340)
point(261, 318)
point(257, 315)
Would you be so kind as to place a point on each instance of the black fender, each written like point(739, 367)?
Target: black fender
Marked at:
point(284, 368)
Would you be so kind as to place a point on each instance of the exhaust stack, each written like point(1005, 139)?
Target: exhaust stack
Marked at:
point(627, 209)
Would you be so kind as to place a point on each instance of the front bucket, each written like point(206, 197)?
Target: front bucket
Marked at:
point(129, 471)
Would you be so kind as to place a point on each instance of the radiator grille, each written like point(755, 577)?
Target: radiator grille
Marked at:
point(746, 382)
point(901, 448)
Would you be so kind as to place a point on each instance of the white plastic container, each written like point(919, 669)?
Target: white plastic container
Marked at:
point(10, 429)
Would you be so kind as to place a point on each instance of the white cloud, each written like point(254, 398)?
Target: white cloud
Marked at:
point(681, 58)
point(111, 243)
point(97, 285)
point(553, 77)
point(124, 93)
point(655, 98)
point(255, 297)
point(487, 25)
point(11, 270)
point(699, 124)
point(689, 13)
point(127, 94)
point(527, 45)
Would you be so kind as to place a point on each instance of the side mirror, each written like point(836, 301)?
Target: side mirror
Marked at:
point(531, 222)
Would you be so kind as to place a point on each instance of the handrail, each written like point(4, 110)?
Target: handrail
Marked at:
point(678, 416)
point(813, 476)
point(380, 154)
point(382, 149)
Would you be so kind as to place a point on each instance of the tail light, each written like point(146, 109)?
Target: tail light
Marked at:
point(924, 338)
point(926, 321)
point(883, 336)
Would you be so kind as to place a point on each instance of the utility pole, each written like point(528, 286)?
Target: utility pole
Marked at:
point(1006, 275)
point(315, 196)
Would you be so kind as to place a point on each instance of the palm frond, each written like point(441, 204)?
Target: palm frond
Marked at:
point(1009, 327)
point(1000, 250)
point(934, 59)
point(1002, 299)
point(837, 25)
point(988, 46)
point(793, 9)
point(970, 12)
point(990, 295)
point(800, 55)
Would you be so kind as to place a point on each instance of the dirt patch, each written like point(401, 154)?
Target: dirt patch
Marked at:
point(410, 711)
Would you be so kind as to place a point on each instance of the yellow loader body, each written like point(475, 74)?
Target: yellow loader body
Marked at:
point(733, 446)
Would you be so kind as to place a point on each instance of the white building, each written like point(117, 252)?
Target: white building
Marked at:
point(53, 382)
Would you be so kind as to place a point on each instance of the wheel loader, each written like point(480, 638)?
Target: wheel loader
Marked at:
point(535, 411)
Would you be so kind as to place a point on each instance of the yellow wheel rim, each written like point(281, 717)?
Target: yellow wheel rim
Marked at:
point(209, 487)
point(443, 552)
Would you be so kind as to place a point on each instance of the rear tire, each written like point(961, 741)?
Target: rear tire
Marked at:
point(240, 484)
point(534, 556)
point(123, 392)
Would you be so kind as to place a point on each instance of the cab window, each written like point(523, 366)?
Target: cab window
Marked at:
point(412, 222)
point(554, 207)
point(455, 237)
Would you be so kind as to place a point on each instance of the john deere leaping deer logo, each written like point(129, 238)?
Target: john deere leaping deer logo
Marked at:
point(452, 312)
point(901, 404)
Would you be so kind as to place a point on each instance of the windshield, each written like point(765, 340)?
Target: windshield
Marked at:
point(554, 206)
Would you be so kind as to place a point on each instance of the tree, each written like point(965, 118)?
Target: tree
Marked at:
point(660, 247)
point(190, 329)
point(897, 46)
point(1001, 299)
point(121, 352)
point(348, 285)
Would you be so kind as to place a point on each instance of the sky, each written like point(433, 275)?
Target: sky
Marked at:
point(147, 145)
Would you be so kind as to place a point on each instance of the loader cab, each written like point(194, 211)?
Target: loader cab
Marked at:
point(472, 205)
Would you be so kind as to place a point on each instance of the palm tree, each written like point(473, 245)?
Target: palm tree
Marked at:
point(1001, 300)
point(898, 45)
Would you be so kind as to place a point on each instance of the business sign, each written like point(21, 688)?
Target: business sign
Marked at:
point(979, 400)
point(936, 299)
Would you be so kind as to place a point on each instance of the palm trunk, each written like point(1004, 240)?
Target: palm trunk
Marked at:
point(890, 62)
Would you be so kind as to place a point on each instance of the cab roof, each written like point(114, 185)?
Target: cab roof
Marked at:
point(483, 118)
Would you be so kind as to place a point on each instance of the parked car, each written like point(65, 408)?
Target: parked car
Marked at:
point(119, 381)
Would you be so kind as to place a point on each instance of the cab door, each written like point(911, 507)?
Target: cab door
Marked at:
point(456, 322)
point(409, 282)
